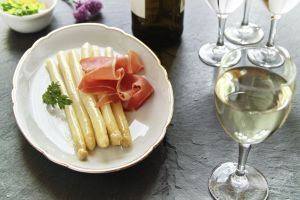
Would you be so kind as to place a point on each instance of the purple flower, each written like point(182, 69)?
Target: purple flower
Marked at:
point(81, 14)
point(78, 4)
point(93, 6)
point(86, 9)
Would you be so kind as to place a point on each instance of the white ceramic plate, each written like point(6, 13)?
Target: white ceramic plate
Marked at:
point(48, 131)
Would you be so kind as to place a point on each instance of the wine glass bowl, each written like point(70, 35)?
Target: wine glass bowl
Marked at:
point(224, 7)
point(252, 102)
point(280, 7)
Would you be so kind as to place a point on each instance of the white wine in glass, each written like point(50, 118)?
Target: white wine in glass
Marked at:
point(270, 57)
point(252, 102)
point(212, 53)
point(257, 108)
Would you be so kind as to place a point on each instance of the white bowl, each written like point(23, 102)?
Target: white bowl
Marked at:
point(49, 133)
point(30, 23)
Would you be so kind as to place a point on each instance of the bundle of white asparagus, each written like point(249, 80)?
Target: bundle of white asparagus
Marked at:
point(88, 124)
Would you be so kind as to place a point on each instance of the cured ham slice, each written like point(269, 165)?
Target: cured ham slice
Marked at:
point(116, 79)
point(105, 98)
point(104, 70)
point(96, 86)
point(137, 88)
point(88, 64)
point(131, 63)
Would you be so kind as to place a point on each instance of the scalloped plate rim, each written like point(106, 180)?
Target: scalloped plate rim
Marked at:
point(58, 161)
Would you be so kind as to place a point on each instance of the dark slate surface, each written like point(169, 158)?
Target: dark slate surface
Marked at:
point(195, 142)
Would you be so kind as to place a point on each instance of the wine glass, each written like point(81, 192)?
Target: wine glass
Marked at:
point(245, 33)
point(252, 102)
point(212, 53)
point(270, 56)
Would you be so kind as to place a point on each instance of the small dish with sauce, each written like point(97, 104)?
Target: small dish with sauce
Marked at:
point(29, 21)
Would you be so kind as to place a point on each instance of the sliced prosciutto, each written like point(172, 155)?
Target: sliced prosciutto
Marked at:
point(138, 88)
point(114, 79)
point(88, 64)
point(104, 98)
point(103, 70)
point(131, 63)
point(96, 86)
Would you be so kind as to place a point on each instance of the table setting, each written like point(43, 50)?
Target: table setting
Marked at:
point(134, 100)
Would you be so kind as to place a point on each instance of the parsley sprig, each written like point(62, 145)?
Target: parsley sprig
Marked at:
point(54, 96)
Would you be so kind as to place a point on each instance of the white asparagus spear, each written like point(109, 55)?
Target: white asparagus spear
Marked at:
point(82, 115)
point(122, 123)
point(119, 114)
point(89, 103)
point(78, 140)
point(110, 121)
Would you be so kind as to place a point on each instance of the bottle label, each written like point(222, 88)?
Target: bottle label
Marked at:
point(182, 2)
point(138, 7)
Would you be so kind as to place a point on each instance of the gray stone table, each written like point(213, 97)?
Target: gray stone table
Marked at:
point(195, 142)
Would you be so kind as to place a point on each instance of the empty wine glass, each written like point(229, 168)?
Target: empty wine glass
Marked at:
point(270, 56)
point(245, 33)
point(252, 102)
point(212, 53)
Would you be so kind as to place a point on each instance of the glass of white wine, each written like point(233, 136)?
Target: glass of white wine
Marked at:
point(252, 102)
point(245, 33)
point(270, 56)
point(212, 53)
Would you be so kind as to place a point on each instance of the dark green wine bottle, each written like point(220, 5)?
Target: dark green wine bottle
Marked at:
point(157, 22)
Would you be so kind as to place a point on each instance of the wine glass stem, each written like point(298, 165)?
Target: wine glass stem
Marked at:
point(274, 22)
point(247, 6)
point(244, 150)
point(222, 21)
point(238, 179)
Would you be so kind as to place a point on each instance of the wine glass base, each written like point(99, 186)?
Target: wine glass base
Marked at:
point(244, 34)
point(268, 57)
point(212, 54)
point(222, 186)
